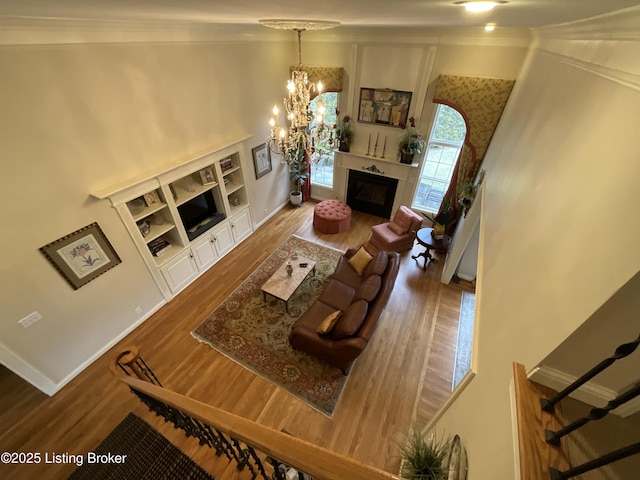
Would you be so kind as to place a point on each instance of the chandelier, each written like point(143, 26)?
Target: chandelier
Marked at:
point(306, 130)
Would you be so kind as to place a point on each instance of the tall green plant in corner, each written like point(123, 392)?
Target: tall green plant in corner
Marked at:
point(298, 172)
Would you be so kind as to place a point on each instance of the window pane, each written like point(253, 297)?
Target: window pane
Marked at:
point(450, 126)
point(322, 171)
point(442, 153)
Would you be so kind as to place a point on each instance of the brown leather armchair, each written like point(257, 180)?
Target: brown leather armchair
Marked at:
point(399, 234)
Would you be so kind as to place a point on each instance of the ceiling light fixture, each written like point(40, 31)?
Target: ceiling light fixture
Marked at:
point(479, 7)
point(305, 131)
point(490, 27)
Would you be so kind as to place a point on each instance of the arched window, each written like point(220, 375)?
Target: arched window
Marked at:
point(322, 171)
point(445, 141)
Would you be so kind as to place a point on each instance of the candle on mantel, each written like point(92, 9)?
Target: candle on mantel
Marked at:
point(384, 145)
point(369, 143)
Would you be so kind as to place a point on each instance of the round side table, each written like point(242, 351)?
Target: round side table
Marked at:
point(425, 239)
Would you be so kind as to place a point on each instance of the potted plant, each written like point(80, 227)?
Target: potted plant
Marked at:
point(424, 458)
point(298, 174)
point(344, 132)
point(411, 143)
point(446, 216)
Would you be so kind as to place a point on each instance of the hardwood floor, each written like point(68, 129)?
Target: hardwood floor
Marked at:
point(404, 373)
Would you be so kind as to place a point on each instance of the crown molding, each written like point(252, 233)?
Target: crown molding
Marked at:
point(622, 25)
point(52, 31)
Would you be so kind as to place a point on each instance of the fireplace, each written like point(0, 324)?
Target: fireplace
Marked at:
point(369, 193)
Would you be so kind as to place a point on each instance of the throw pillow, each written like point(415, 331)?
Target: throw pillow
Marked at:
point(360, 260)
point(351, 320)
point(397, 229)
point(369, 288)
point(329, 322)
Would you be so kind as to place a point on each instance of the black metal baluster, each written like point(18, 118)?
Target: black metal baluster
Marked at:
point(553, 438)
point(621, 352)
point(148, 373)
point(610, 457)
point(257, 462)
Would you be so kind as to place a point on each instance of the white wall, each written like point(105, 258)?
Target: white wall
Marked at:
point(557, 239)
point(77, 118)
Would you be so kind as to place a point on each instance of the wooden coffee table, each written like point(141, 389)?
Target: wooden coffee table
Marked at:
point(282, 286)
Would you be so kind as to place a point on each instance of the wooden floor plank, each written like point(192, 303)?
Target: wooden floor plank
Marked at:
point(408, 362)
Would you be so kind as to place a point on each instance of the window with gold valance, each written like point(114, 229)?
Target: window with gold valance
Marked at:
point(480, 101)
point(331, 77)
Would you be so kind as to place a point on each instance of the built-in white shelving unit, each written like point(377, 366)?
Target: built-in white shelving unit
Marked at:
point(183, 219)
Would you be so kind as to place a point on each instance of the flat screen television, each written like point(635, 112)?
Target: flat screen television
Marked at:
point(199, 214)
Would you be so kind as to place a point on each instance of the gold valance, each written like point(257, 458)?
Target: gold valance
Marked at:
point(331, 77)
point(480, 101)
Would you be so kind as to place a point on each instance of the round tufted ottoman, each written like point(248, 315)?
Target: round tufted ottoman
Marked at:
point(332, 216)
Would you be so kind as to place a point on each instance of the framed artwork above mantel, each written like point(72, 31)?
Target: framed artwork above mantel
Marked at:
point(383, 106)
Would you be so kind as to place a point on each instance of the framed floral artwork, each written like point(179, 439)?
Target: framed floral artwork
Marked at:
point(261, 160)
point(81, 256)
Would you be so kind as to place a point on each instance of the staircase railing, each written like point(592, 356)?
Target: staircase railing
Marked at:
point(239, 439)
point(558, 468)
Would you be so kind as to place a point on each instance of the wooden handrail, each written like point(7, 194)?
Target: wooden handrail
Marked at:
point(316, 461)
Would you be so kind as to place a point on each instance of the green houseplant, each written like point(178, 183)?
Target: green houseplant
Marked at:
point(344, 132)
point(446, 216)
point(411, 143)
point(298, 173)
point(424, 458)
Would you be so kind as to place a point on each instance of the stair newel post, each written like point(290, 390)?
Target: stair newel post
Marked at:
point(130, 362)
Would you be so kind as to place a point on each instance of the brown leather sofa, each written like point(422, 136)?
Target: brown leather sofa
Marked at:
point(357, 297)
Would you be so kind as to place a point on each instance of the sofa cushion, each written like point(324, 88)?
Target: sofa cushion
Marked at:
point(346, 274)
point(397, 229)
point(351, 320)
point(369, 289)
point(329, 322)
point(314, 315)
point(360, 260)
point(378, 265)
point(337, 294)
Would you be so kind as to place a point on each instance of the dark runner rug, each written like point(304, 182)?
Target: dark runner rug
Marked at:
point(149, 456)
point(254, 333)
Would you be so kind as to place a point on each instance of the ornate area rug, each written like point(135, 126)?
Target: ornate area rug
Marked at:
point(254, 333)
point(149, 456)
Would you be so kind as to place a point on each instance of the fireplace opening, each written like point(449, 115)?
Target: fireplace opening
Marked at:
point(369, 193)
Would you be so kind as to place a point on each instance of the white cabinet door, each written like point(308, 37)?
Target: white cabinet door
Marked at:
point(241, 226)
point(180, 271)
point(222, 238)
point(204, 252)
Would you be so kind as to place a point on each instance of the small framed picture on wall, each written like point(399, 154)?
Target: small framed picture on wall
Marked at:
point(261, 160)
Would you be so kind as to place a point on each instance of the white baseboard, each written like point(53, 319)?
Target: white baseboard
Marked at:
point(30, 374)
point(266, 219)
point(104, 349)
point(590, 393)
point(25, 370)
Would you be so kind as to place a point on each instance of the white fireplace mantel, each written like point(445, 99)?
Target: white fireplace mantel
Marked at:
point(406, 174)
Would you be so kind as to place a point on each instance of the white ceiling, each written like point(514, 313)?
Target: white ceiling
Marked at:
point(378, 13)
